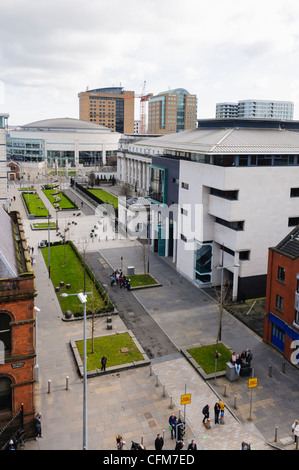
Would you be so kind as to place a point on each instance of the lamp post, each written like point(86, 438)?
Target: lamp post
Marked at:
point(83, 299)
point(36, 367)
point(222, 267)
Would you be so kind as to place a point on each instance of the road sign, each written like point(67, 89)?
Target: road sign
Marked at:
point(186, 399)
point(252, 383)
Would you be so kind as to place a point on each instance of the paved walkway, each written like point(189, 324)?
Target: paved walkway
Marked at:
point(131, 402)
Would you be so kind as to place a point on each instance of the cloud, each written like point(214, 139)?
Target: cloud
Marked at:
point(220, 50)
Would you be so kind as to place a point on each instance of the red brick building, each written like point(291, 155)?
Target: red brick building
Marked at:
point(281, 325)
point(17, 324)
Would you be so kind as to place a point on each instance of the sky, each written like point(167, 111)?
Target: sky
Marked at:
point(220, 50)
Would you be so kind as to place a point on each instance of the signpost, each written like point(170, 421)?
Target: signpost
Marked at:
point(185, 400)
point(252, 383)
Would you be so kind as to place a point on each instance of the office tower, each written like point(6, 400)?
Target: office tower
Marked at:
point(260, 109)
point(172, 111)
point(110, 107)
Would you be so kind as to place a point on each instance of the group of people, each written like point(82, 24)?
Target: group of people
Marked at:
point(218, 413)
point(118, 278)
point(180, 444)
point(239, 359)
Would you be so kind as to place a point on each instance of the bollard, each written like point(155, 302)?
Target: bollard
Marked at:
point(67, 382)
point(163, 434)
point(270, 371)
point(49, 386)
point(275, 436)
point(171, 404)
point(163, 392)
point(235, 402)
point(151, 370)
point(283, 367)
point(157, 381)
point(141, 440)
point(297, 443)
point(224, 392)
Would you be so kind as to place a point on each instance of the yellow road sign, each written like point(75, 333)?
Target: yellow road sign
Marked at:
point(186, 399)
point(252, 383)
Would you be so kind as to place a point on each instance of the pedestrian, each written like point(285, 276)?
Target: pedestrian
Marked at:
point(38, 425)
point(103, 362)
point(245, 446)
point(11, 445)
point(216, 412)
point(112, 279)
point(295, 429)
point(159, 442)
point(233, 359)
point(206, 413)
point(172, 424)
point(119, 442)
point(238, 364)
point(221, 404)
point(192, 445)
point(179, 445)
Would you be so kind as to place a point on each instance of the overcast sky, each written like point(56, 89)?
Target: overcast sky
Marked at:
point(220, 50)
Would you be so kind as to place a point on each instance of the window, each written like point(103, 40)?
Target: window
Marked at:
point(293, 221)
point(294, 192)
point(5, 394)
point(5, 333)
point(238, 225)
point(297, 317)
point(185, 185)
point(279, 302)
point(183, 238)
point(281, 273)
point(184, 211)
point(244, 255)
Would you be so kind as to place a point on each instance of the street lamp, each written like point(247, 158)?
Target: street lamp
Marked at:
point(83, 299)
point(36, 367)
point(222, 267)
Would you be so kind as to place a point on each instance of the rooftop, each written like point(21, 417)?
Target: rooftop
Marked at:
point(228, 137)
point(289, 246)
point(65, 124)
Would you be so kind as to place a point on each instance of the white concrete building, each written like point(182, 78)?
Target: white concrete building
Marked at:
point(67, 142)
point(221, 197)
point(133, 162)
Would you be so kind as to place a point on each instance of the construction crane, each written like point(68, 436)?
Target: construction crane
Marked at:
point(143, 99)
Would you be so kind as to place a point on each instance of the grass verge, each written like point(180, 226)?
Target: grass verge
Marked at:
point(205, 357)
point(140, 280)
point(110, 346)
point(67, 267)
point(105, 197)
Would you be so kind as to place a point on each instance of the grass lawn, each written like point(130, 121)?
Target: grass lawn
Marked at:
point(139, 280)
point(34, 204)
point(71, 272)
point(105, 196)
point(43, 226)
point(110, 346)
point(64, 203)
point(205, 357)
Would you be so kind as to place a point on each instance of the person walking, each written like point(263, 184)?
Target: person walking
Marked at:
point(206, 413)
point(159, 442)
point(216, 412)
point(192, 445)
point(120, 442)
point(103, 362)
point(172, 424)
point(179, 445)
point(295, 429)
point(38, 425)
